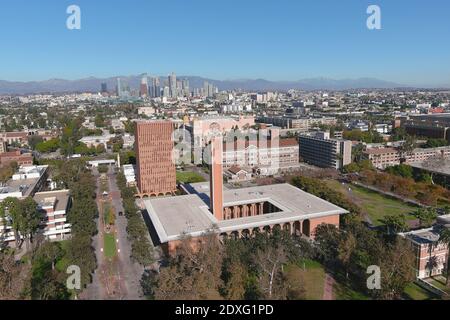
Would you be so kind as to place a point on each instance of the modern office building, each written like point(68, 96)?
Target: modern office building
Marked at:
point(143, 91)
point(119, 87)
point(173, 92)
point(104, 87)
point(154, 164)
point(123, 89)
point(155, 88)
point(321, 151)
point(185, 87)
point(209, 90)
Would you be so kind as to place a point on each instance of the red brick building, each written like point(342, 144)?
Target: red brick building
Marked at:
point(431, 255)
point(156, 175)
point(14, 137)
point(6, 158)
point(236, 213)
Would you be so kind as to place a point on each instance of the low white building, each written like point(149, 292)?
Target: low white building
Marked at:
point(117, 124)
point(147, 111)
point(96, 163)
point(54, 206)
point(25, 182)
point(130, 174)
point(236, 174)
point(94, 141)
point(128, 141)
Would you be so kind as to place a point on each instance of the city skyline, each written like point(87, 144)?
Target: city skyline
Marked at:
point(282, 41)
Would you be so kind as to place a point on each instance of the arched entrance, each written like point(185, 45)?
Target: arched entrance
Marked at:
point(276, 228)
point(256, 231)
point(306, 228)
point(297, 228)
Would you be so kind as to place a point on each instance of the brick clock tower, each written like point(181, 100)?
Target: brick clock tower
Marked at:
point(216, 177)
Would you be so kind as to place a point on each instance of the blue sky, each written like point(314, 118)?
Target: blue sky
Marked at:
point(227, 39)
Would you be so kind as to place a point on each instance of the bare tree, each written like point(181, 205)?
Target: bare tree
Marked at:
point(13, 277)
point(194, 272)
point(270, 260)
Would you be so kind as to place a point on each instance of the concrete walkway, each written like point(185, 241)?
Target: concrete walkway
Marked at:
point(328, 287)
point(123, 281)
point(130, 272)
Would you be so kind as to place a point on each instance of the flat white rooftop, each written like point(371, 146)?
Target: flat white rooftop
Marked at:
point(176, 216)
point(422, 236)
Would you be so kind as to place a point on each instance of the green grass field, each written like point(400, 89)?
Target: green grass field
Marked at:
point(414, 292)
point(109, 249)
point(439, 282)
point(108, 214)
point(376, 205)
point(104, 186)
point(189, 177)
point(344, 292)
point(309, 275)
point(62, 264)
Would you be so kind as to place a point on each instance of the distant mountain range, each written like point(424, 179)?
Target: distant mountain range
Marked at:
point(93, 84)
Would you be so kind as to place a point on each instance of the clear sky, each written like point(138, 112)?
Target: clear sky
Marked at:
point(227, 39)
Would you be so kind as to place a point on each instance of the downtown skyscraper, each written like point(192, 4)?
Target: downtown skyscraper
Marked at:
point(173, 92)
point(123, 89)
point(155, 88)
point(209, 90)
point(144, 87)
point(185, 87)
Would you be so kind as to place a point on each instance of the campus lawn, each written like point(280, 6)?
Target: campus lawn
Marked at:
point(104, 186)
point(439, 282)
point(345, 292)
point(62, 264)
point(189, 177)
point(109, 245)
point(375, 204)
point(414, 292)
point(309, 275)
point(108, 214)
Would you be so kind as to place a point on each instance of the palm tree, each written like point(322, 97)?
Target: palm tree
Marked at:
point(444, 238)
point(426, 216)
point(395, 223)
point(432, 264)
point(407, 147)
